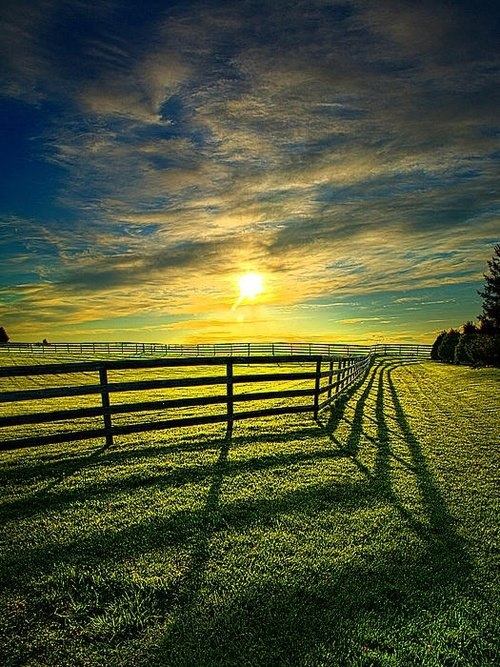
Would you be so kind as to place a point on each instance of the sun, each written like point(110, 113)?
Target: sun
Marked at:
point(251, 285)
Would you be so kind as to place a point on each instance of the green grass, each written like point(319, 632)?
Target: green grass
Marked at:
point(368, 540)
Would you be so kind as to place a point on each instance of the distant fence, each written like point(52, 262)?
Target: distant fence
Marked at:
point(331, 376)
point(221, 349)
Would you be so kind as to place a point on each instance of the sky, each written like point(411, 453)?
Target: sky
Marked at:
point(153, 152)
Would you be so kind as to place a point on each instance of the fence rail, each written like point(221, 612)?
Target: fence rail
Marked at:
point(340, 374)
point(220, 349)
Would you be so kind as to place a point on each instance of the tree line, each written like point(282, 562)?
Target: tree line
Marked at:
point(476, 345)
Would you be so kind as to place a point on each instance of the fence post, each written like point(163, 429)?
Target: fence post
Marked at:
point(317, 382)
point(103, 377)
point(230, 402)
point(330, 379)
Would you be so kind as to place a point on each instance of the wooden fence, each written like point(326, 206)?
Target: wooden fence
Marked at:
point(331, 376)
point(220, 349)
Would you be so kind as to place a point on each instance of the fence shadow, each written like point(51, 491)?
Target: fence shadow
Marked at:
point(49, 497)
point(293, 617)
point(269, 624)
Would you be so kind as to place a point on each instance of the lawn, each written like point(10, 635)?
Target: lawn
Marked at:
point(369, 539)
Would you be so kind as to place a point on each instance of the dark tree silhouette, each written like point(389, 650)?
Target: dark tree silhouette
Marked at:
point(436, 344)
point(4, 338)
point(446, 350)
point(490, 317)
point(469, 328)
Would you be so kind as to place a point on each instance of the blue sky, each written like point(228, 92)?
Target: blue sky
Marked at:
point(153, 152)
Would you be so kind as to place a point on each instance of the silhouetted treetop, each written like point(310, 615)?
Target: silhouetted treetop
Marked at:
point(490, 317)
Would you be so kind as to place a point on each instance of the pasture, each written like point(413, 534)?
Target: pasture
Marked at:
point(366, 539)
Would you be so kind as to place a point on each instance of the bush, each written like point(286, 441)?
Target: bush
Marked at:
point(446, 350)
point(436, 344)
point(4, 337)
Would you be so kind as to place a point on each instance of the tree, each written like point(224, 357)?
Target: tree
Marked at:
point(4, 338)
point(436, 344)
point(464, 349)
point(490, 317)
point(469, 328)
point(486, 328)
point(446, 350)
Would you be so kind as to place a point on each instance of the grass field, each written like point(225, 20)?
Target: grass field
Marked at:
point(368, 540)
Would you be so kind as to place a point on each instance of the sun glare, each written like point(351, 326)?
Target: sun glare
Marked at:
point(251, 285)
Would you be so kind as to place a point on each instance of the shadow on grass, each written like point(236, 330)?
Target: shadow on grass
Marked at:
point(63, 465)
point(297, 621)
point(449, 555)
point(307, 615)
point(48, 500)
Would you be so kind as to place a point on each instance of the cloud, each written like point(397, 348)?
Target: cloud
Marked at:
point(362, 320)
point(139, 91)
point(343, 149)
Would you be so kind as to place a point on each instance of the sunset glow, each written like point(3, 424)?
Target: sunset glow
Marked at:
point(329, 167)
point(251, 285)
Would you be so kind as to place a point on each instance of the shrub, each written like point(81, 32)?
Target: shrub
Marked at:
point(436, 344)
point(4, 337)
point(446, 350)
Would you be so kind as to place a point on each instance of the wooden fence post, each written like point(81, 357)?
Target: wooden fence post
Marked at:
point(330, 379)
point(317, 381)
point(103, 377)
point(230, 402)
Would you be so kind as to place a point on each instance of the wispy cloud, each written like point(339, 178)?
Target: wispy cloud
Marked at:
point(342, 148)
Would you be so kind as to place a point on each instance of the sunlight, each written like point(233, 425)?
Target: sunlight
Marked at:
point(251, 285)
